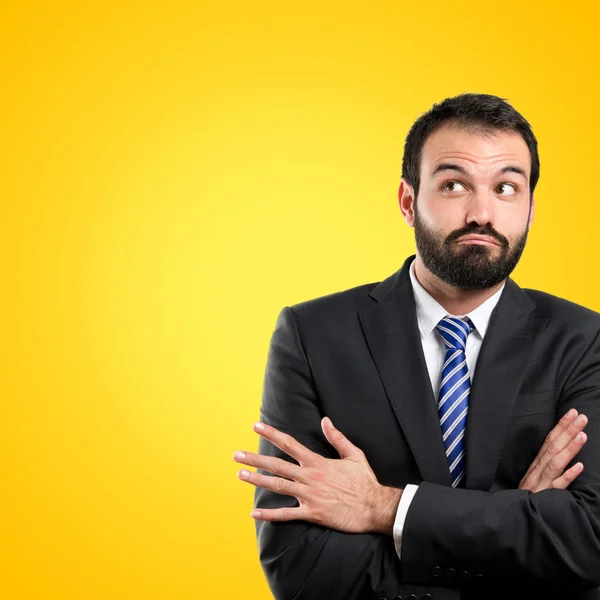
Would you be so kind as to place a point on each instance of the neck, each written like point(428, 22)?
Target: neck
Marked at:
point(455, 300)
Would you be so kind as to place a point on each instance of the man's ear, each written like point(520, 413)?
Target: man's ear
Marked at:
point(406, 199)
point(531, 211)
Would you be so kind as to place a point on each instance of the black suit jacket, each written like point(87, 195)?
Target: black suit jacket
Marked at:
point(356, 357)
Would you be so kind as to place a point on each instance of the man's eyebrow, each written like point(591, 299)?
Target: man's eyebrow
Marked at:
point(448, 167)
point(513, 169)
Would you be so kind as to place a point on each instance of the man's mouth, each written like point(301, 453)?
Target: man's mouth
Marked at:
point(480, 240)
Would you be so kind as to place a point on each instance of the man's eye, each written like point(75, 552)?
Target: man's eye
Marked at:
point(452, 186)
point(506, 189)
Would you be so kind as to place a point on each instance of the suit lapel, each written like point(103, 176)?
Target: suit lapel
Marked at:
point(499, 373)
point(390, 327)
point(391, 330)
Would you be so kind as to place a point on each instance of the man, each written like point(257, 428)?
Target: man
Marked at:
point(418, 435)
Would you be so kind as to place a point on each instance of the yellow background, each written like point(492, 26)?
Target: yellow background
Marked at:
point(172, 176)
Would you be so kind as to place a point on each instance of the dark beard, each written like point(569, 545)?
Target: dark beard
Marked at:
point(468, 267)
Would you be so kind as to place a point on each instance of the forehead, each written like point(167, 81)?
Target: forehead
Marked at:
point(475, 150)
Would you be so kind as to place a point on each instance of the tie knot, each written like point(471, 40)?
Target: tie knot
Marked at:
point(454, 331)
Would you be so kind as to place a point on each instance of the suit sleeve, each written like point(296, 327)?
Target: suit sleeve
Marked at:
point(302, 560)
point(551, 536)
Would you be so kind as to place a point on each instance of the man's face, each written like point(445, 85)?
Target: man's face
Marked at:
point(471, 215)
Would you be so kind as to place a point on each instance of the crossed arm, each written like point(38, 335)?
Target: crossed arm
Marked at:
point(307, 510)
point(344, 493)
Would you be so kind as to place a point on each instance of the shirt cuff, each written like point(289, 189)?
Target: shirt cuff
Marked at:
point(407, 495)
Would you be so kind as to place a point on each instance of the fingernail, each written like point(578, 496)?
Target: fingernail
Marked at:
point(259, 426)
point(580, 437)
point(580, 420)
point(571, 413)
point(239, 455)
point(244, 474)
point(255, 513)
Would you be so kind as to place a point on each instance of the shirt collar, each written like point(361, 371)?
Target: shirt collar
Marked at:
point(430, 311)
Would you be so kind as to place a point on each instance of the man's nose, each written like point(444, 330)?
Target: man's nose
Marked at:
point(480, 208)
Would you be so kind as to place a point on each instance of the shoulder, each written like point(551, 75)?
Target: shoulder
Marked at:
point(330, 323)
point(340, 306)
point(563, 310)
point(336, 304)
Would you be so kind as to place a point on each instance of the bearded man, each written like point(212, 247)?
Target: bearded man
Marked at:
point(422, 437)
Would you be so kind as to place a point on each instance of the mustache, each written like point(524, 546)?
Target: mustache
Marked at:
point(474, 229)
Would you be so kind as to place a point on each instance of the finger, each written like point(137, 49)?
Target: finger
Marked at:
point(571, 431)
point(275, 484)
point(558, 429)
point(554, 461)
point(552, 455)
point(274, 465)
point(535, 470)
point(287, 443)
point(549, 440)
point(565, 480)
point(280, 514)
point(555, 442)
point(556, 465)
point(345, 448)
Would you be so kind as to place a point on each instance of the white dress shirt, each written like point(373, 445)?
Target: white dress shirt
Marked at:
point(429, 314)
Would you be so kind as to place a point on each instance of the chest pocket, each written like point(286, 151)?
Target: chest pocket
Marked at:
point(541, 402)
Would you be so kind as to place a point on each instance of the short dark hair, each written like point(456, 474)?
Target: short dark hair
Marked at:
point(481, 112)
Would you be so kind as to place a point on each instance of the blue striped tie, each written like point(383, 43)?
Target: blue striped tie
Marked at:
point(453, 402)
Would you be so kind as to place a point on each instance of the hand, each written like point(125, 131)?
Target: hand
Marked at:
point(342, 494)
point(560, 446)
